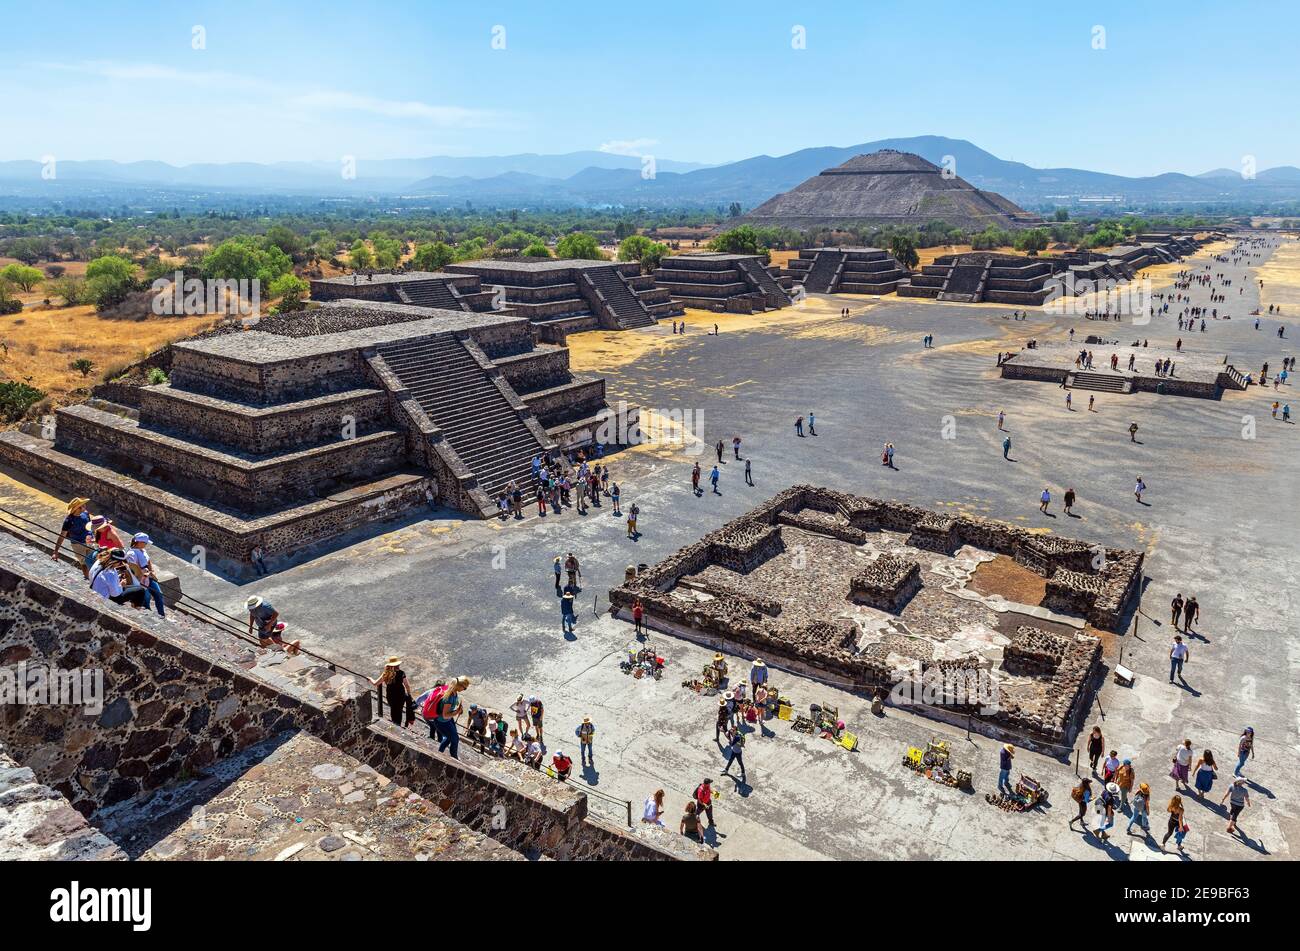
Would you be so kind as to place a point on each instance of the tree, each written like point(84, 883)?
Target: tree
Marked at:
point(579, 245)
point(640, 248)
point(1033, 240)
point(246, 259)
point(536, 250)
point(904, 251)
point(109, 279)
point(734, 210)
point(360, 257)
point(290, 289)
point(55, 270)
point(24, 276)
point(73, 290)
point(624, 229)
point(433, 257)
point(82, 366)
point(742, 240)
point(1062, 214)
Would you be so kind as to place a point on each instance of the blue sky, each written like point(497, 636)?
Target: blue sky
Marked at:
point(1178, 87)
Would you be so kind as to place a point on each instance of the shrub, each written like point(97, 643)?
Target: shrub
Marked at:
point(16, 398)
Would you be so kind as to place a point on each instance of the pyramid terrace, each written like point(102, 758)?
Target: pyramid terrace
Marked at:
point(359, 412)
point(846, 271)
point(731, 283)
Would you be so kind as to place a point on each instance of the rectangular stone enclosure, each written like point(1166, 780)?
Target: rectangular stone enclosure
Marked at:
point(864, 593)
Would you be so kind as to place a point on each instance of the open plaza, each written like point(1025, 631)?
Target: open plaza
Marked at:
point(896, 500)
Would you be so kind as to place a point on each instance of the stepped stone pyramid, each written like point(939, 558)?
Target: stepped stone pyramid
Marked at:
point(420, 288)
point(563, 296)
point(846, 271)
point(888, 187)
point(985, 276)
point(734, 283)
point(346, 414)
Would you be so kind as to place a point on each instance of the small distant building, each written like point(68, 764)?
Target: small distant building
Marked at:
point(846, 271)
point(732, 283)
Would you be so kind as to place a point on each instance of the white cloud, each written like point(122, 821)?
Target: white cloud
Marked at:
point(635, 147)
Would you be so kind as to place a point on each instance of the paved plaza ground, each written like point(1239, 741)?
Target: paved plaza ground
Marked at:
point(1218, 521)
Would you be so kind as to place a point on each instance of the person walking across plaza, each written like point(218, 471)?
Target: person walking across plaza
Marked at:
point(557, 567)
point(1082, 796)
point(1176, 609)
point(735, 753)
point(749, 473)
point(1006, 447)
point(1245, 749)
point(713, 478)
point(703, 796)
point(1124, 777)
point(568, 617)
point(1044, 500)
point(1240, 799)
point(1181, 769)
point(586, 734)
point(1096, 747)
point(1177, 823)
point(1191, 614)
point(1179, 654)
point(1141, 811)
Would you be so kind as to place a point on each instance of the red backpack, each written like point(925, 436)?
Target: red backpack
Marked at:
point(430, 708)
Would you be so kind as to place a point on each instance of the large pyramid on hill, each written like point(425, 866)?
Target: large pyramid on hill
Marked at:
point(889, 187)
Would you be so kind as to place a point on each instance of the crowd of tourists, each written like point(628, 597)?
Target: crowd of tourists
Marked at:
point(115, 569)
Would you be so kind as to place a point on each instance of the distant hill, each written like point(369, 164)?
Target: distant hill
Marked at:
point(601, 178)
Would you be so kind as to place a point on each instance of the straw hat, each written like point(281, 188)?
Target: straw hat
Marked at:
point(76, 504)
point(1008, 747)
point(1112, 788)
point(99, 521)
point(759, 663)
point(586, 719)
point(394, 661)
point(722, 701)
point(717, 656)
point(1144, 788)
point(253, 602)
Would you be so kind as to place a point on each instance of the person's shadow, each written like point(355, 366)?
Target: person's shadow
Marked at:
point(589, 774)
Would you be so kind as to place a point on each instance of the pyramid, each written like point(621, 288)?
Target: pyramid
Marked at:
point(889, 188)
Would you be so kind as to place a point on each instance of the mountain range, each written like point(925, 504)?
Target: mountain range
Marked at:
point(593, 178)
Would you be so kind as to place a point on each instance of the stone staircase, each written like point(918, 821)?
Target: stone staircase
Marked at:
point(429, 294)
point(762, 281)
point(1102, 382)
point(965, 283)
point(608, 291)
point(821, 276)
point(463, 400)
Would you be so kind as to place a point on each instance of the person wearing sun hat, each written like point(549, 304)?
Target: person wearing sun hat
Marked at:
point(104, 534)
point(1141, 810)
point(76, 527)
point(142, 568)
point(397, 692)
point(1004, 767)
point(757, 673)
point(261, 614)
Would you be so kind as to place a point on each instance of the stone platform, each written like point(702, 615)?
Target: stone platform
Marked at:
point(1195, 373)
point(870, 593)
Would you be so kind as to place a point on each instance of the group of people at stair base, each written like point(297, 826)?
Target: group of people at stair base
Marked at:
point(559, 484)
point(124, 574)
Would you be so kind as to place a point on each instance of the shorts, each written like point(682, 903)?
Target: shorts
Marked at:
point(1234, 811)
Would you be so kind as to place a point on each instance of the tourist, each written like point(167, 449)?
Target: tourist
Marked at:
point(1240, 797)
point(1005, 756)
point(723, 719)
point(735, 446)
point(1069, 401)
point(540, 496)
point(749, 472)
point(265, 617)
point(141, 566)
point(258, 560)
point(1191, 614)
point(703, 797)
point(812, 424)
point(574, 571)
point(397, 692)
point(586, 734)
point(1138, 488)
point(517, 747)
point(76, 528)
point(1109, 766)
point(653, 812)
point(1096, 746)
point(1044, 500)
point(1141, 811)
point(719, 450)
point(520, 709)
point(757, 674)
point(1002, 418)
point(1176, 609)
point(735, 753)
point(1092, 400)
point(567, 616)
point(889, 454)
point(1082, 795)
point(1204, 773)
point(690, 824)
point(615, 493)
point(1245, 749)
point(111, 579)
point(1006, 447)
point(476, 724)
point(1182, 764)
point(1106, 810)
point(448, 710)
point(562, 765)
point(798, 426)
point(1177, 824)
point(1124, 777)
point(535, 713)
point(557, 567)
point(533, 751)
point(713, 478)
point(632, 514)
point(695, 480)
point(1132, 432)
point(638, 615)
point(1179, 654)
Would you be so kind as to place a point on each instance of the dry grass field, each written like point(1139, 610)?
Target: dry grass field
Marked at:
point(38, 346)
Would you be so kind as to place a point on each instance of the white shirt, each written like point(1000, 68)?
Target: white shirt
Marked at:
point(107, 583)
point(1183, 755)
point(140, 558)
point(651, 813)
point(1179, 652)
